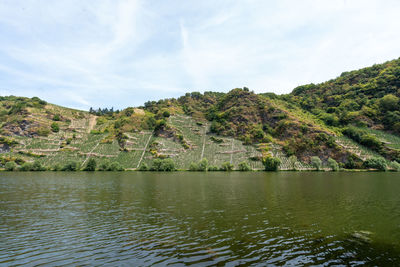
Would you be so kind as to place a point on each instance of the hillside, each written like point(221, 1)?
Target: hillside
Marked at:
point(351, 119)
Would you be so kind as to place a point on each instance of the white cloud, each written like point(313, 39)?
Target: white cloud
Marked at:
point(132, 51)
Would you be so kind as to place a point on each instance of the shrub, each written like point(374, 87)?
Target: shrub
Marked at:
point(376, 163)
point(244, 166)
point(293, 161)
point(37, 166)
point(333, 164)
point(115, 166)
point(56, 117)
point(10, 166)
point(104, 166)
point(395, 166)
point(91, 165)
point(57, 167)
point(70, 166)
point(55, 127)
point(226, 166)
point(271, 163)
point(163, 165)
point(193, 167)
point(143, 167)
point(316, 163)
point(213, 168)
point(27, 166)
point(203, 165)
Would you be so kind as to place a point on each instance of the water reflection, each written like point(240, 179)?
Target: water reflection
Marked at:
point(195, 218)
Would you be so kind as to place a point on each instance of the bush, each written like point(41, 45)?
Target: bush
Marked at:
point(56, 117)
point(115, 166)
point(226, 166)
point(293, 161)
point(10, 166)
point(163, 165)
point(193, 167)
point(57, 167)
point(244, 166)
point(203, 165)
point(70, 166)
point(271, 163)
point(143, 167)
point(55, 127)
point(37, 166)
point(91, 165)
point(105, 166)
point(213, 168)
point(395, 166)
point(27, 166)
point(333, 164)
point(316, 163)
point(376, 163)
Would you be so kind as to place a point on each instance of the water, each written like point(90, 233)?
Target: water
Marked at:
point(130, 218)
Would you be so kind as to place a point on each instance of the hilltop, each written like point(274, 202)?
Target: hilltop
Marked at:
point(353, 120)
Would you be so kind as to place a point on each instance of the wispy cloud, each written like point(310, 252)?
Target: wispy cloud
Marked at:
point(121, 53)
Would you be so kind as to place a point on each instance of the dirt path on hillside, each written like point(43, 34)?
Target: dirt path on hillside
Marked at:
point(204, 142)
point(144, 150)
point(92, 123)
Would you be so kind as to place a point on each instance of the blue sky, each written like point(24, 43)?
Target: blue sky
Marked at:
point(105, 53)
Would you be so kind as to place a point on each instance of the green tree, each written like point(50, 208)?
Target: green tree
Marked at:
point(395, 166)
point(91, 165)
point(27, 166)
point(203, 165)
point(105, 166)
point(56, 117)
point(271, 163)
point(37, 166)
point(389, 102)
point(193, 167)
point(293, 161)
point(213, 168)
point(163, 165)
point(10, 166)
point(55, 127)
point(115, 166)
point(226, 166)
point(316, 163)
point(70, 166)
point(244, 166)
point(376, 163)
point(333, 164)
point(143, 167)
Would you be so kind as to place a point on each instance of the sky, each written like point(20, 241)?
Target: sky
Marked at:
point(120, 53)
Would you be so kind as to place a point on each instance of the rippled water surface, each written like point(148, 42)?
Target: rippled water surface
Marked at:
point(203, 219)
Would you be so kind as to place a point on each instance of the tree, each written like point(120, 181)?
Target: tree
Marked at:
point(244, 166)
point(293, 161)
point(271, 163)
point(395, 166)
point(55, 127)
point(27, 166)
point(226, 166)
point(316, 163)
point(56, 117)
point(203, 165)
point(163, 165)
point(37, 166)
point(213, 168)
point(333, 164)
point(115, 166)
point(376, 163)
point(193, 167)
point(143, 167)
point(91, 165)
point(70, 166)
point(10, 166)
point(389, 102)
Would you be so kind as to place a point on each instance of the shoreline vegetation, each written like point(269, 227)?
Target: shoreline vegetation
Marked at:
point(271, 164)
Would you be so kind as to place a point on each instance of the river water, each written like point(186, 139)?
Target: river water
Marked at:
point(185, 218)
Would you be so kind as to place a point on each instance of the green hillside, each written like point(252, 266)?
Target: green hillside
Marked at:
point(353, 120)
